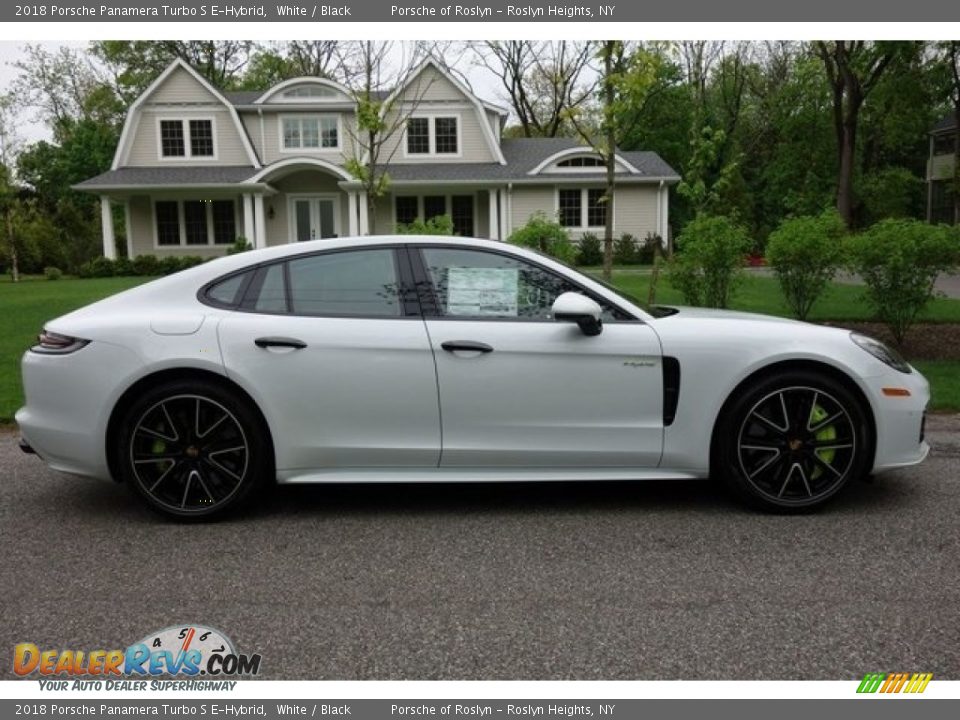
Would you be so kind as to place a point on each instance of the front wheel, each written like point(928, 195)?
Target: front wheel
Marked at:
point(793, 441)
point(192, 449)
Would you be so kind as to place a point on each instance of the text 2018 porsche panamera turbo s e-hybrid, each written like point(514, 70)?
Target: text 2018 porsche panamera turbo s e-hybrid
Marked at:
point(395, 359)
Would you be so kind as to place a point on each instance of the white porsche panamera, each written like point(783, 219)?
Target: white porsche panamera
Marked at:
point(411, 359)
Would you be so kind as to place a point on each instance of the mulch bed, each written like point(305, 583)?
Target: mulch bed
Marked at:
point(924, 341)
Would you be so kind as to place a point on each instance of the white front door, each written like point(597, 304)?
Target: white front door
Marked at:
point(314, 217)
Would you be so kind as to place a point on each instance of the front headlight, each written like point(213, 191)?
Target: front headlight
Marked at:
point(881, 351)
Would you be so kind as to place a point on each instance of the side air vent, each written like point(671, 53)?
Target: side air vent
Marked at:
point(671, 389)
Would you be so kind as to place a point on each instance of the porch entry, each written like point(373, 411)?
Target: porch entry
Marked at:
point(315, 217)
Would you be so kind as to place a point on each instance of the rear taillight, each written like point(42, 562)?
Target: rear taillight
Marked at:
point(49, 343)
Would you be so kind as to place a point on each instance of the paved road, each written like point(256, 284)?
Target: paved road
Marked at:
point(578, 581)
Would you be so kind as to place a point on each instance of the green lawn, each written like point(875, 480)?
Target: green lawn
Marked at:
point(25, 307)
point(762, 294)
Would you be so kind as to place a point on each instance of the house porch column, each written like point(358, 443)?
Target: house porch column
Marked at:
point(260, 220)
point(248, 231)
point(352, 212)
point(128, 227)
point(106, 225)
point(364, 214)
point(494, 222)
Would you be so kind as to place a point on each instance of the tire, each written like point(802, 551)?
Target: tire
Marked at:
point(193, 449)
point(792, 440)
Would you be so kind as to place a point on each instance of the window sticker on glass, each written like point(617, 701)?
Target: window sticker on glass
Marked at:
point(483, 292)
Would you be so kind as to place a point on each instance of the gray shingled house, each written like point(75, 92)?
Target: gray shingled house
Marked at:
point(195, 168)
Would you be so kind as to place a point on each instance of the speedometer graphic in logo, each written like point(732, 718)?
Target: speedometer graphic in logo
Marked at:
point(198, 642)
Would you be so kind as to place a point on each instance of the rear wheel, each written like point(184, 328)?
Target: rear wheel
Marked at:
point(192, 449)
point(793, 441)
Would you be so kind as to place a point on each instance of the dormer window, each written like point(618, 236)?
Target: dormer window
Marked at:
point(433, 135)
point(310, 132)
point(579, 162)
point(309, 91)
point(177, 137)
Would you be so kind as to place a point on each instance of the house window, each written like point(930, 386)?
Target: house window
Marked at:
point(195, 222)
point(201, 138)
point(445, 135)
point(314, 132)
point(460, 208)
point(433, 136)
point(943, 144)
point(581, 162)
point(407, 209)
point(596, 208)
point(310, 91)
point(570, 207)
point(462, 214)
point(178, 136)
point(434, 206)
point(418, 136)
point(582, 208)
point(168, 222)
point(224, 222)
point(171, 138)
point(941, 202)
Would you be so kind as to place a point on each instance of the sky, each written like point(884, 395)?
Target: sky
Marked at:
point(482, 81)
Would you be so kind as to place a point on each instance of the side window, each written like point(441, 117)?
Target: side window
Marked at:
point(225, 292)
point(359, 282)
point(477, 284)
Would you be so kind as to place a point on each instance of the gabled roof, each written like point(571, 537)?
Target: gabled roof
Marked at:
point(947, 122)
point(129, 123)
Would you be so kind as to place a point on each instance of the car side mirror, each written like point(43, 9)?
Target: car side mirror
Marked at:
point(574, 307)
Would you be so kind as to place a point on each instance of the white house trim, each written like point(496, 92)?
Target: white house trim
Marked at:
point(120, 157)
point(477, 104)
point(582, 150)
point(304, 80)
point(330, 167)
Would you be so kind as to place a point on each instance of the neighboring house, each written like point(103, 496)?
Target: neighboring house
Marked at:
point(940, 177)
point(195, 168)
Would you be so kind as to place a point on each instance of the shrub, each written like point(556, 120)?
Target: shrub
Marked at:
point(899, 261)
point(589, 250)
point(145, 265)
point(169, 265)
point(652, 244)
point(190, 261)
point(439, 225)
point(122, 267)
point(805, 253)
point(241, 245)
point(625, 251)
point(545, 235)
point(52, 273)
point(709, 260)
point(99, 267)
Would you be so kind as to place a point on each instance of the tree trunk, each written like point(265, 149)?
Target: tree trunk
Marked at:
point(611, 158)
point(848, 149)
point(12, 244)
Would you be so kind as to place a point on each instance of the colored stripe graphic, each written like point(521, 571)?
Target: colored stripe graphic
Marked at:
point(894, 683)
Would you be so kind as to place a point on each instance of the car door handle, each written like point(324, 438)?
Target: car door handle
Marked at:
point(466, 346)
point(280, 342)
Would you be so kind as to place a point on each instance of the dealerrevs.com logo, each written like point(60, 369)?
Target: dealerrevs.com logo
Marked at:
point(179, 650)
point(895, 682)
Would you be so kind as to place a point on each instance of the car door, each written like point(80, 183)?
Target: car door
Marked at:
point(338, 361)
point(517, 388)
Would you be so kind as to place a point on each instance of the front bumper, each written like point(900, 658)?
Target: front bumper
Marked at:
point(900, 420)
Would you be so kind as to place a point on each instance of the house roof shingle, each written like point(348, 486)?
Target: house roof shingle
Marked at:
point(172, 176)
point(947, 122)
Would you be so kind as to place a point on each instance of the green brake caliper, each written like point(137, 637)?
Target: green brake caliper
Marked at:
point(824, 434)
point(158, 447)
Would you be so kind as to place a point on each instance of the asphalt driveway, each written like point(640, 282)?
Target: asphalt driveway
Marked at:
point(574, 581)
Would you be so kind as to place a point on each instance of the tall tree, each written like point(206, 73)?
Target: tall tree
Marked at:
point(543, 81)
point(951, 53)
point(372, 73)
point(628, 75)
point(853, 69)
point(10, 145)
